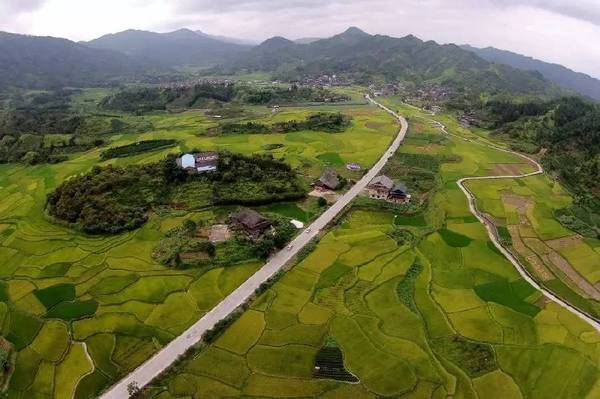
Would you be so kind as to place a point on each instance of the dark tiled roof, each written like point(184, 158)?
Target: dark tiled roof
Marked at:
point(400, 188)
point(330, 179)
point(250, 219)
point(382, 180)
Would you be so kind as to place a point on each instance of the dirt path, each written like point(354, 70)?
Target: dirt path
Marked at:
point(493, 233)
point(158, 363)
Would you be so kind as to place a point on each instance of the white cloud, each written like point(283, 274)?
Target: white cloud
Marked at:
point(562, 31)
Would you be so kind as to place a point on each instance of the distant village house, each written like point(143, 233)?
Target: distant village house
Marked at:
point(330, 180)
point(382, 187)
point(252, 223)
point(200, 162)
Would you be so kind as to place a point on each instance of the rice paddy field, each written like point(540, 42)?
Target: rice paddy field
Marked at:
point(564, 261)
point(82, 311)
point(446, 316)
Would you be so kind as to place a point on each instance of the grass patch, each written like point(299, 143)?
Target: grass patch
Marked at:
point(454, 239)
point(332, 275)
point(73, 310)
point(55, 294)
point(511, 294)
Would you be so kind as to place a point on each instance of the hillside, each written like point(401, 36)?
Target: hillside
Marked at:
point(181, 47)
point(42, 62)
point(360, 54)
point(558, 74)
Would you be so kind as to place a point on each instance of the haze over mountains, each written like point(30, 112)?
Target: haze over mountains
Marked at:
point(560, 75)
point(181, 47)
point(40, 62)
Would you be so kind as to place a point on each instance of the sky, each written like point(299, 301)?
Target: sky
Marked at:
point(561, 31)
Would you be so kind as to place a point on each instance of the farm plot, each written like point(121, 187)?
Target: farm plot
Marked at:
point(447, 317)
point(82, 311)
point(558, 257)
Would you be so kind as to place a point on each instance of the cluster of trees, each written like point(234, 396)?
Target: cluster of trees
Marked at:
point(137, 148)
point(322, 121)
point(147, 99)
point(568, 128)
point(109, 200)
point(293, 94)
point(254, 180)
point(45, 128)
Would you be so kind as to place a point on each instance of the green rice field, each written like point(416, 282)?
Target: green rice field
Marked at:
point(83, 311)
point(445, 317)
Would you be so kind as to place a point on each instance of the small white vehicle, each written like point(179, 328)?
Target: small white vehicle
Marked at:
point(307, 230)
point(289, 247)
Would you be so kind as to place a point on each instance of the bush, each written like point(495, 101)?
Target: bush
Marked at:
point(137, 148)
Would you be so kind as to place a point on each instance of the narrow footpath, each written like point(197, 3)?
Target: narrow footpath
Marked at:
point(158, 363)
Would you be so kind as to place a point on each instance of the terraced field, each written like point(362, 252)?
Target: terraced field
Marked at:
point(445, 317)
point(81, 310)
point(564, 261)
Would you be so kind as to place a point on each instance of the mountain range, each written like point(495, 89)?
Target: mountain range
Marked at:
point(181, 47)
point(362, 55)
point(41, 62)
point(560, 75)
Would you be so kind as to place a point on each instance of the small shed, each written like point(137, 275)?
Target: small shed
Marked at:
point(188, 161)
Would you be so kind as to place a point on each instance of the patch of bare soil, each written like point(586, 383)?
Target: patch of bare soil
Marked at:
point(542, 302)
point(506, 169)
point(374, 125)
point(565, 242)
point(539, 267)
point(536, 263)
point(538, 246)
point(517, 243)
point(219, 233)
point(330, 196)
point(520, 203)
point(563, 265)
point(194, 256)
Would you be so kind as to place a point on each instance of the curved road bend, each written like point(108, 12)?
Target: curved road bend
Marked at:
point(493, 232)
point(158, 363)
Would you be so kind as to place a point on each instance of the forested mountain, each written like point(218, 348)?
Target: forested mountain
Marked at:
point(357, 53)
point(568, 129)
point(560, 75)
point(42, 62)
point(181, 47)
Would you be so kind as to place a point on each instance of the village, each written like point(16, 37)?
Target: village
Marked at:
point(254, 226)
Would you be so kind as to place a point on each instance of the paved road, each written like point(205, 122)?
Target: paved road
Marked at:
point(493, 232)
point(145, 373)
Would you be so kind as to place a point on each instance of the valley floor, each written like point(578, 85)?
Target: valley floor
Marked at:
point(440, 315)
point(447, 317)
